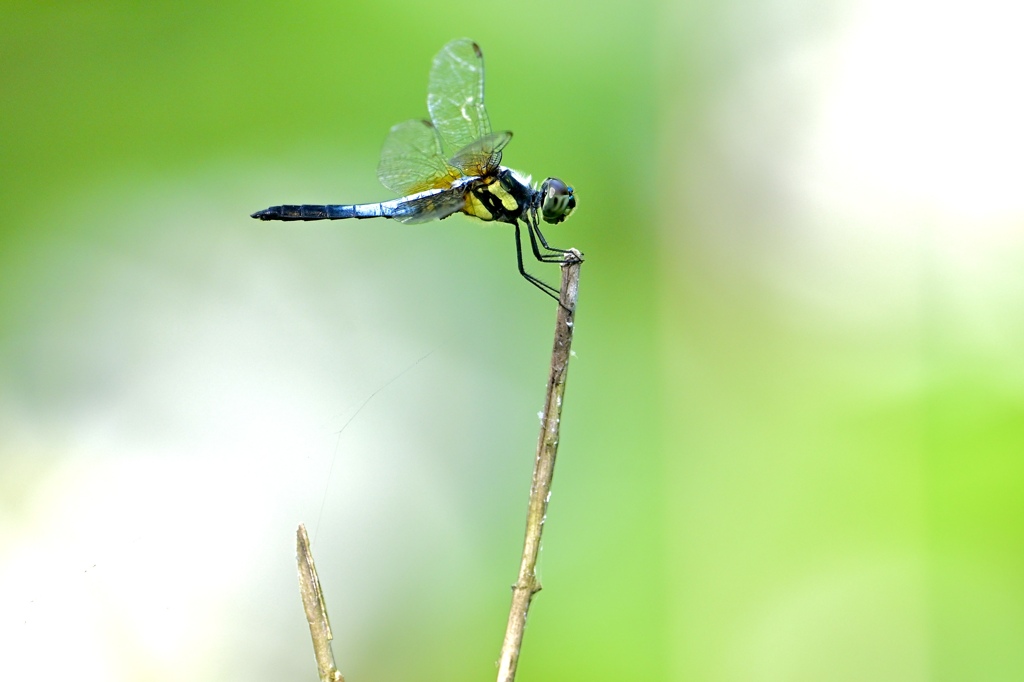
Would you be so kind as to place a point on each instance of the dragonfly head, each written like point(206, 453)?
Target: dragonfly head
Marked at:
point(557, 200)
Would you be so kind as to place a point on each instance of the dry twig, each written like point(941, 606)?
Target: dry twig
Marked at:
point(316, 610)
point(543, 469)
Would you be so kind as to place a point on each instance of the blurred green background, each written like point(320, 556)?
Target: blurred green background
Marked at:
point(793, 433)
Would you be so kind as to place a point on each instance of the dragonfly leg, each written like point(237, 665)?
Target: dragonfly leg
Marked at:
point(533, 227)
point(543, 286)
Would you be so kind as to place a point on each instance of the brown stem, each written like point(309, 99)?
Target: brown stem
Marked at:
point(316, 610)
point(544, 468)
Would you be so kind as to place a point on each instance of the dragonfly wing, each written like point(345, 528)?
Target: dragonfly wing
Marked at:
point(483, 156)
point(455, 94)
point(411, 160)
point(433, 205)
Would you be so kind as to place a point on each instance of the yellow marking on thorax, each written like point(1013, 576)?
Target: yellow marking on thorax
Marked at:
point(475, 207)
point(506, 199)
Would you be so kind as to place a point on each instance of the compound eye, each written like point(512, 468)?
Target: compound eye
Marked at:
point(558, 201)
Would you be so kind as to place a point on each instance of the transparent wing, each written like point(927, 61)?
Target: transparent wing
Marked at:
point(440, 204)
point(455, 94)
point(482, 156)
point(411, 160)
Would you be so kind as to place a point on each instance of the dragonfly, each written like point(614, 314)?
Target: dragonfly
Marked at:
point(452, 164)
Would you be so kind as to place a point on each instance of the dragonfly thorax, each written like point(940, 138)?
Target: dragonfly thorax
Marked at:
point(503, 197)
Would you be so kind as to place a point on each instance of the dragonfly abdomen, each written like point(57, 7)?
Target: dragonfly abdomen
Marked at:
point(318, 212)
